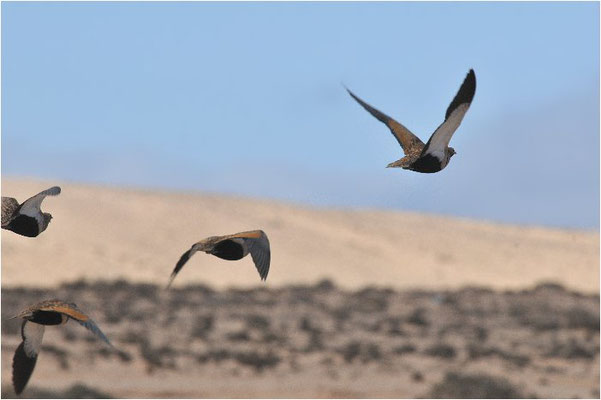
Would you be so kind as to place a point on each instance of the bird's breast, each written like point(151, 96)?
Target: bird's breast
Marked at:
point(231, 249)
point(24, 225)
point(48, 318)
point(428, 164)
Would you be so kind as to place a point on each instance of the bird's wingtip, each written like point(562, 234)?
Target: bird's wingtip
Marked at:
point(53, 191)
point(171, 278)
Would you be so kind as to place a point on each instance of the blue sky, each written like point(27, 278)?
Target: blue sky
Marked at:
point(247, 98)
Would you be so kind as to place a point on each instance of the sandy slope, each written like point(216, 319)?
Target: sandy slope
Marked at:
point(101, 232)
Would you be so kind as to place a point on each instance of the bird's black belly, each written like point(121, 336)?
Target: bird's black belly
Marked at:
point(24, 225)
point(228, 250)
point(46, 318)
point(427, 164)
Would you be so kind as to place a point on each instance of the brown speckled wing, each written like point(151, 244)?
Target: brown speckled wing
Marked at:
point(408, 141)
point(71, 310)
point(9, 206)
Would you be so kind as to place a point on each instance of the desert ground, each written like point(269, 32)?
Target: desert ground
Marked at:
point(358, 303)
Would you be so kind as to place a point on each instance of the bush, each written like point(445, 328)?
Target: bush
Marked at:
point(418, 317)
point(241, 336)
point(474, 386)
point(406, 348)
point(475, 352)
point(77, 391)
point(203, 326)
point(364, 351)
point(582, 318)
point(441, 350)
point(257, 321)
point(572, 350)
point(257, 360)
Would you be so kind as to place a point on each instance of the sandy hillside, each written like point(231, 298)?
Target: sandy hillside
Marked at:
point(109, 233)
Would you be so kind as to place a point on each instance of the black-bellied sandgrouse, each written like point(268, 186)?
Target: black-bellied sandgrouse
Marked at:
point(232, 247)
point(436, 154)
point(27, 219)
point(49, 312)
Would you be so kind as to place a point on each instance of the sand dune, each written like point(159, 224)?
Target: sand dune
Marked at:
point(108, 233)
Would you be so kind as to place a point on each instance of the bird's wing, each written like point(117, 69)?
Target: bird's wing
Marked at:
point(182, 261)
point(441, 137)
point(258, 246)
point(31, 206)
point(9, 206)
point(406, 139)
point(26, 354)
point(71, 310)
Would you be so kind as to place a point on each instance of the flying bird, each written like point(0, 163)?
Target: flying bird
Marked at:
point(232, 247)
point(49, 312)
point(436, 154)
point(27, 219)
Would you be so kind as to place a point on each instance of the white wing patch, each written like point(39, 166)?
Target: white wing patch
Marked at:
point(31, 206)
point(442, 136)
point(32, 334)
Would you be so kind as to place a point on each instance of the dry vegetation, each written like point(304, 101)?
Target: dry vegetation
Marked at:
point(314, 341)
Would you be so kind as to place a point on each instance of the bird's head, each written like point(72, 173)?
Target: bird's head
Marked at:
point(47, 218)
point(452, 152)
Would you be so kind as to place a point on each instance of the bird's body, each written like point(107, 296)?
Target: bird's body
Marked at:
point(35, 317)
point(27, 219)
point(435, 155)
point(232, 247)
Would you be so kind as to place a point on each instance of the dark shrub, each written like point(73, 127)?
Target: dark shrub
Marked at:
point(257, 321)
point(406, 348)
point(476, 351)
point(417, 376)
point(217, 355)
point(257, 360)
point(77, 391)
point(579, 317)
point(572, 350)
point(474, 386)
point(325, 285)
point(418, 317)
point(314, 343)
point(364, 351)
point(241, 336)
point(203, 326)
point(351, 351)
point(157, 357)
point(441, 350)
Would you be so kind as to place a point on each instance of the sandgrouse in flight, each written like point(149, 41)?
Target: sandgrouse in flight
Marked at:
point(27, 219)
point(436, 154)
point(232, 247)
point(49, 312)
